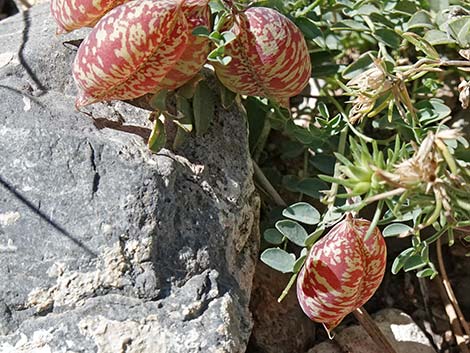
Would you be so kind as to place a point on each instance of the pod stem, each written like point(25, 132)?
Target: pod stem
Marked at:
point(361, 314)
point(373, 330)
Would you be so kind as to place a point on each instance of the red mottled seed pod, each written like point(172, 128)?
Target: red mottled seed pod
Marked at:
point(342, 272)
point(139, 48)
point(197, 13)
point(74, 14)
point(270, 57)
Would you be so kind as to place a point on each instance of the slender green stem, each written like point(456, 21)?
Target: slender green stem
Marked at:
point(334, 186)
point(437, 211)
point(267, 185)
point(287, 289)
point(375, 219)
point(309, 8)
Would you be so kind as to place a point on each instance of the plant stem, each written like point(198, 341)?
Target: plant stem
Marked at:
point(361, 315)
point(334, 186)
point(309, 8)
point(267, 185)
point(375, 219)
point(288, 287)
point(448, 288)
point(372, 329)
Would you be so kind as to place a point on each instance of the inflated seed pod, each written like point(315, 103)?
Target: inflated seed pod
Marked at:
point(270, 57)
point(197, 13)
point(141, 47)
point(73, 14)
point(130, 51)
point(342, 272)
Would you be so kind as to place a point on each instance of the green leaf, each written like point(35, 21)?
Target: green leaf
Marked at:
point(278, 259)
point(425, 252)
point(312, 187)
point(292, 231)
point(273, 236)
point(227, 97)
point(302, 212)
point(157, 139)
point(184, 106)
point(413, 263)
point(201, 31)
point(437, 37)
point(420, 19)
point(323, 110)
point(438, 5)
point(158, 101)
point(299, 263)
point(308, 28)
point(395, 229)
point(459, 28)
point(400, 260)
point(359, 66)
point(312, 238)
point(405, 7)
point(467, 238)
point(181, 136)
point(324, 163)
point(257, 122)
point(228, 36)
point(203, 107)
point(225, 60)
point(216, 54)
point(388, 37)
point(383, 20)
point(216, 37)
point(347, 25)
point(427, 272)
point(185, 124)
point(421, 44)
point(325, 70)
point(302, 134)
point(188, 89)
point(432, 110)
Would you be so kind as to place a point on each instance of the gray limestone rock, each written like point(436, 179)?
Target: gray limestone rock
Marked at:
point(400, 329)
point(105, 247)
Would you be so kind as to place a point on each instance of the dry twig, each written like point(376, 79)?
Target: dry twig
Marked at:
point(455, 315)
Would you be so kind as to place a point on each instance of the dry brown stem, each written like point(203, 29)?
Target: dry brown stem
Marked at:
point(455, 315)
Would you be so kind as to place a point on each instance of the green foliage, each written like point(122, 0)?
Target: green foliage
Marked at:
point(378, 135)
point(381, 134)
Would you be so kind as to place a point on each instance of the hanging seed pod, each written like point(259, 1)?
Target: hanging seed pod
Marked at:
point(133, 49)
point(197, 13)
point(74, 14)
point(342, 272)
point(269, 57)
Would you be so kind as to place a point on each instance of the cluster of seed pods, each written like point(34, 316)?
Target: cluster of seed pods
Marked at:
point(143, 46)
point(342, 271)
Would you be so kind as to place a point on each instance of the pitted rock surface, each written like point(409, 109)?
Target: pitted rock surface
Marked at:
point(104, 246)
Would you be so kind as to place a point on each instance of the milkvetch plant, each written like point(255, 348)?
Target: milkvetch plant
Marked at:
point(380, 140)
point(357, 102)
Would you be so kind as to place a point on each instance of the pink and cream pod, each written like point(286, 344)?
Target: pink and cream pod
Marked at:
point(74, 14)
point(270, 57)
point(341, 272)
point(141, 47)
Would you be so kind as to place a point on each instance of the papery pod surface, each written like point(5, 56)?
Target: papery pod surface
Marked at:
point(342, 272)
point(130, 51)
point(197, 13)
point(74, 14)
point(270, 57)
